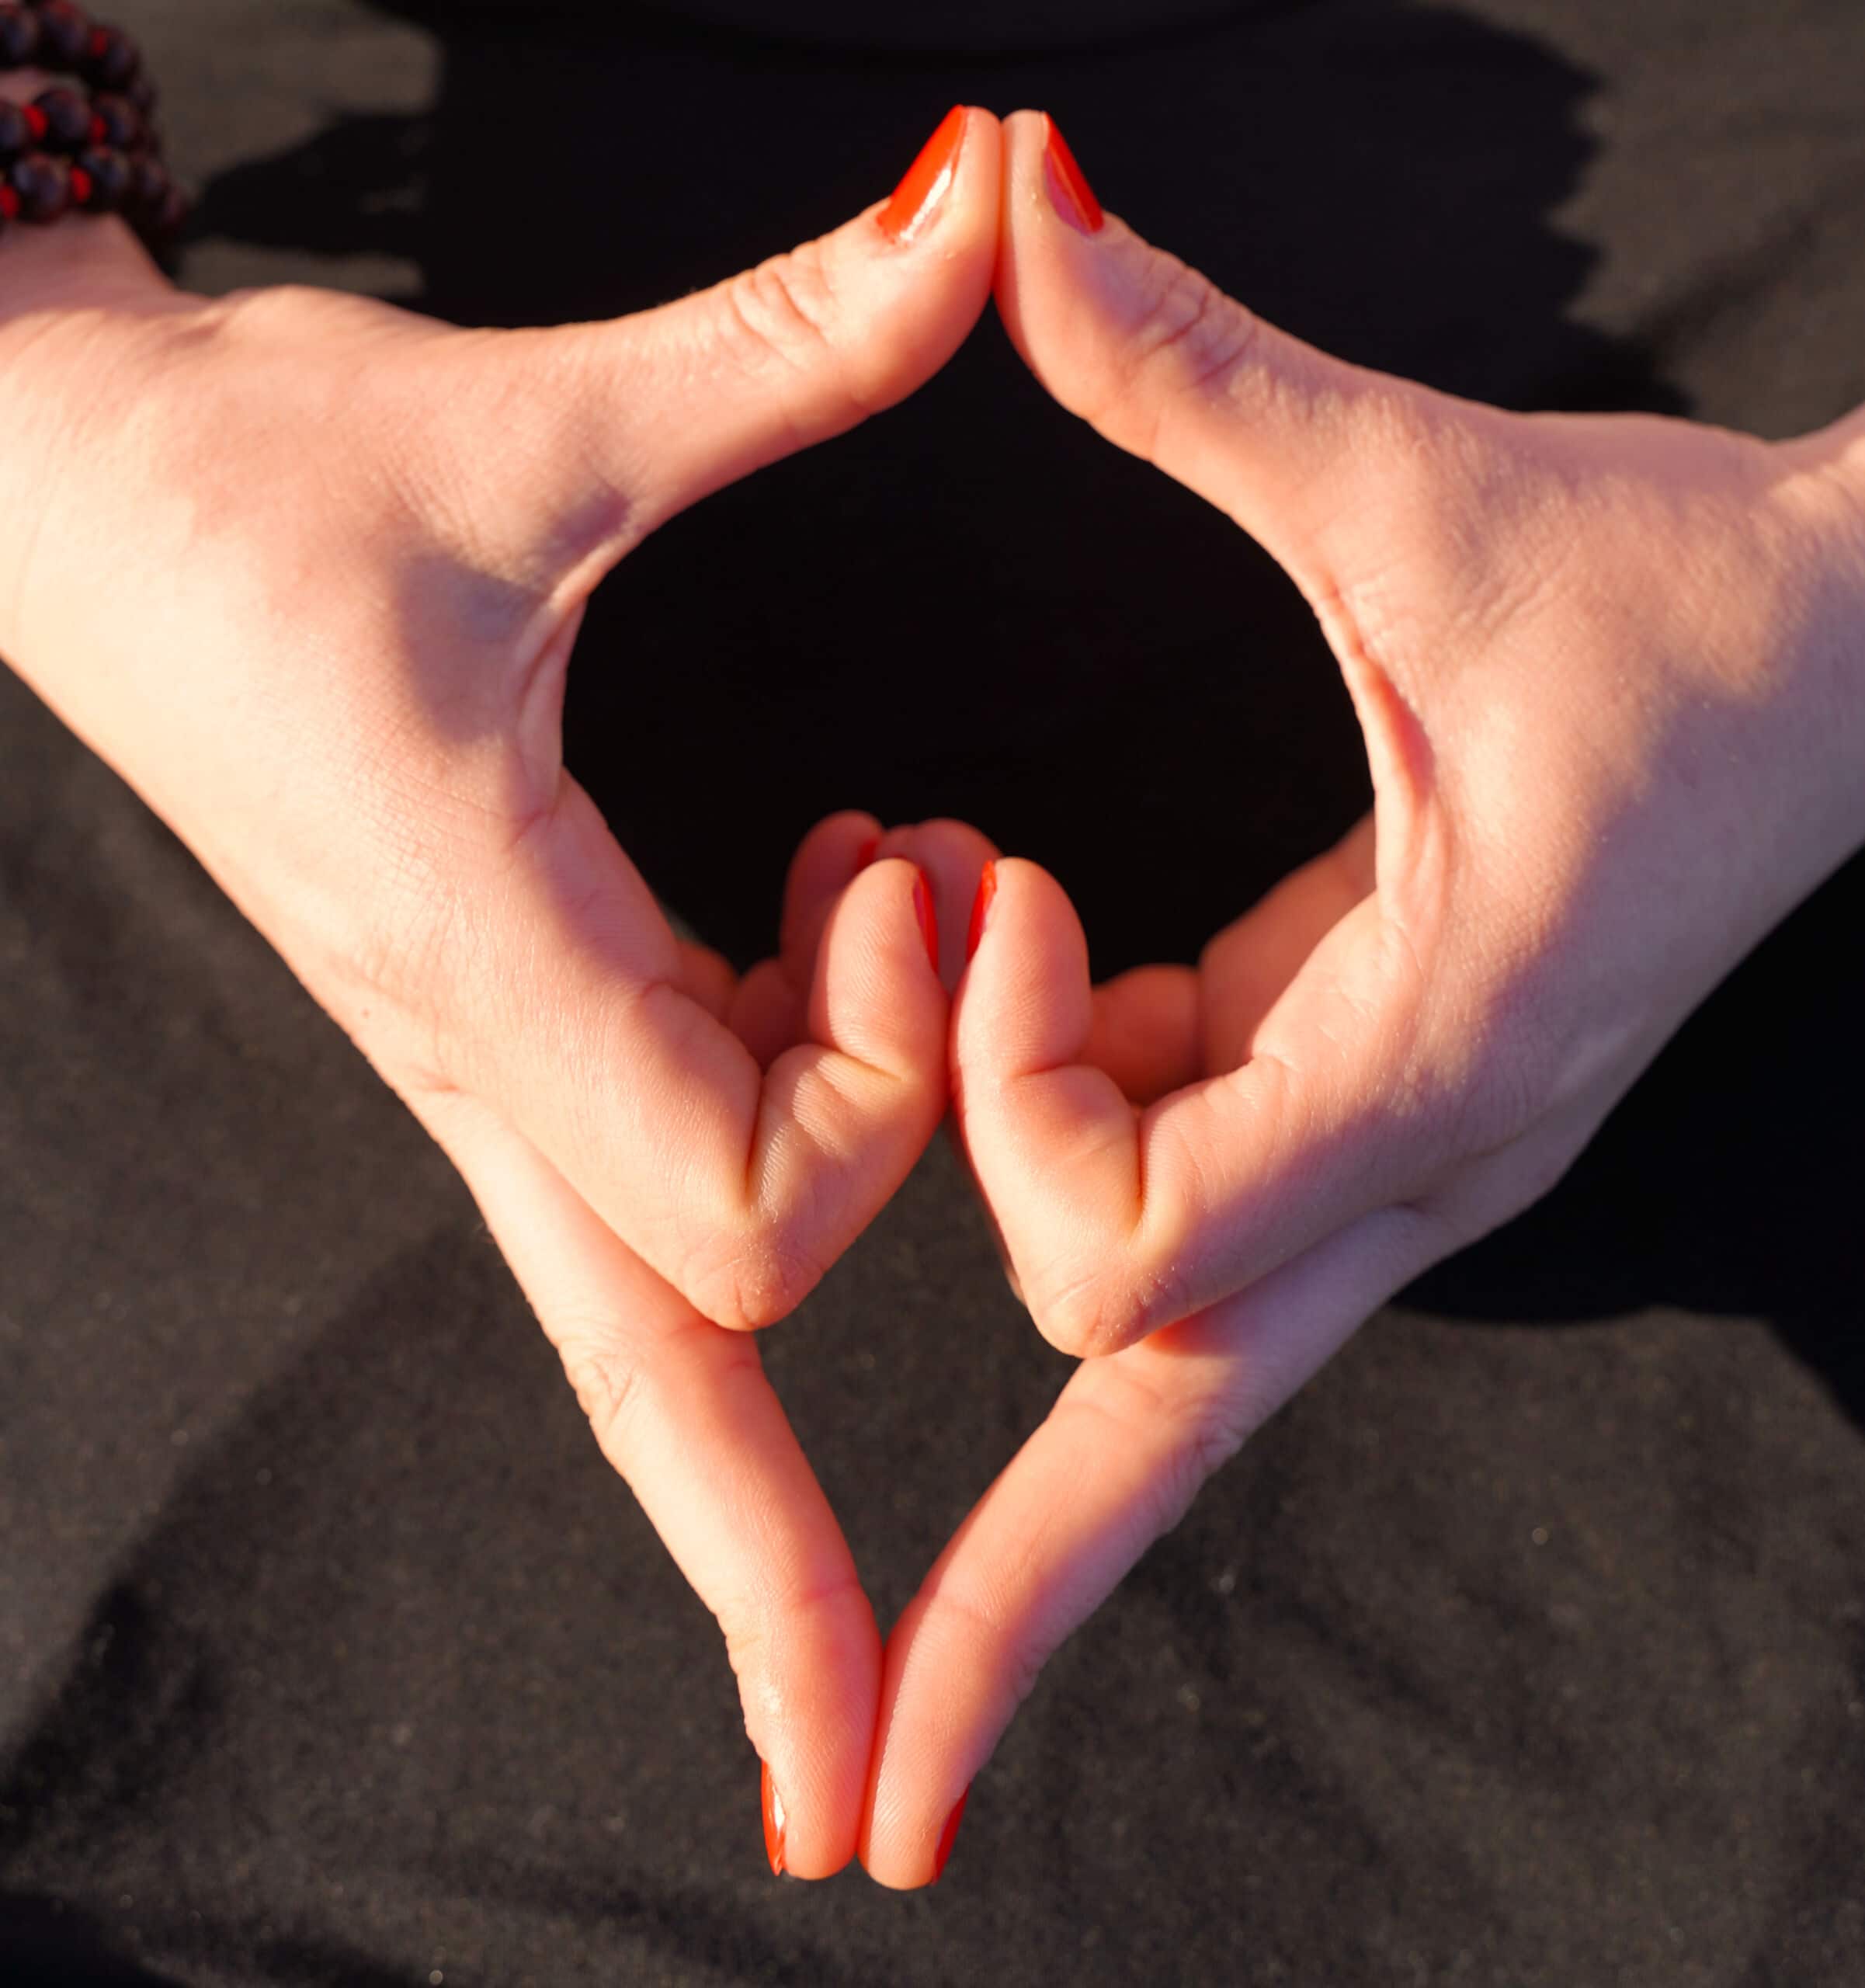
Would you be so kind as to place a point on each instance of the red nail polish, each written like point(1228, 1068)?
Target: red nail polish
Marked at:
point(773, 1823)
point(928, 917)
point(865, 855)
point(929, 179)
point(1069, 192)
point(947, 1836)
point(981, 909)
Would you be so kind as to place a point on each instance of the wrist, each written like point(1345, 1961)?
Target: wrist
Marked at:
point(81, 304)
point(84, 259)
point(83, 262)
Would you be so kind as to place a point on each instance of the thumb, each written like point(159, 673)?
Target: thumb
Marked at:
point(673, 404)
point(1163, 363)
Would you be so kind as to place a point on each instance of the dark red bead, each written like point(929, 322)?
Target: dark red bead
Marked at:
point(15, 133)
point(81, 188)
point(66, 118)
point(111, 59)
point(117, 122)
point(44, 186)
point(18, 38)
point(9, 202)
point(35, 123)
point(108, 173)
point(64, 33)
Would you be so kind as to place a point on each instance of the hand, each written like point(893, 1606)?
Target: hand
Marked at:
point(308, 572)
point(1608, 672)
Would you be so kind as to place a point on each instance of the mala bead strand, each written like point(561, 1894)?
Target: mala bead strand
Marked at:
point(64, 34)
point(41, 184)
point(115, 122)
point(87, 146)
point(18, 37)
point(66, 118)
point(111, 60)
point(107, 177)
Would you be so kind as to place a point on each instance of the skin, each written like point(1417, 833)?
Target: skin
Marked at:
point(272, 583)
point(1611, 676)
point(1608, 671)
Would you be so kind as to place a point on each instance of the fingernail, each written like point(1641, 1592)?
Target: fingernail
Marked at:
point(929, 918)
point(947, 1836)
point(981, 909)
point(773, 1823)
point(929, 179)
point(1069, 192)
point(865, 855)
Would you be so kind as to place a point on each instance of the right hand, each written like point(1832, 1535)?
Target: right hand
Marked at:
point(307, 570)
point(1609, 674)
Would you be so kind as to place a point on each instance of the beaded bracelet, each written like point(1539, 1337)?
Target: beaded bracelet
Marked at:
point(90, 149)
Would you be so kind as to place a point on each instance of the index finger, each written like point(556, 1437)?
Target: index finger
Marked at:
point(683, 1412)
point(1117, 1464)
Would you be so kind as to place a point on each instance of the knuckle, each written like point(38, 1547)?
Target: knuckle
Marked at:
point(767, 1634)
point(784, 310)
point(1188, 1440)
point(1208, 1443)
point(746, 1279)
point(608, 1380)
point(1012, 1655)
point(1193, 333)
point(1074, 1317)
point(1191, 342)
point(1099, 1310)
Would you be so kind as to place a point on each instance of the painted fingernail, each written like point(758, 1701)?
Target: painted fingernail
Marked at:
point(773, 1823)
point(947, 1836)
point(981, 909)
point(928, 180)
point(865, 855)
point(1069, 192)
point(928, 917)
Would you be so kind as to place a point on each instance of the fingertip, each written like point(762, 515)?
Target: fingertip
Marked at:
point(952, 855)
point(827, 860)
point(809, 1689)
point(924, 194)
point(1026, 1004)
point(802, 346)
point(876, 994)
point(945, 1701)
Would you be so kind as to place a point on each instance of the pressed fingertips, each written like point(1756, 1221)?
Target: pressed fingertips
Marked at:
point(1069, 192)
point(980, 909)
point(774, 1821)
point(928, 181)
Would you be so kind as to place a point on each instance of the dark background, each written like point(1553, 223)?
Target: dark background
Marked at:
point(329, 1651)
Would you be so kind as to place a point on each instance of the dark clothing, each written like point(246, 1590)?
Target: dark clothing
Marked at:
point(1527, 1648)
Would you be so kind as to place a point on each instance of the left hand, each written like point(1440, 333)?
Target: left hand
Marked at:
point(1608, 671)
